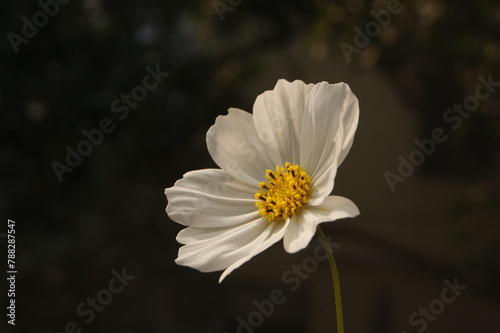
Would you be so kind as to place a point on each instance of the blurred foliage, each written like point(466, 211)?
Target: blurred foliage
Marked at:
point(476, 233)
point(433, 51)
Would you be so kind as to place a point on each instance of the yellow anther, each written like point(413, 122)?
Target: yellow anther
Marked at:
point(285, 193)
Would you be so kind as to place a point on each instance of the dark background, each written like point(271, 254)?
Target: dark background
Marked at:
point(108, 213)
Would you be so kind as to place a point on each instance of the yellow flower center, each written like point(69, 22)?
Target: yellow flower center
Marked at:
point(285, 193)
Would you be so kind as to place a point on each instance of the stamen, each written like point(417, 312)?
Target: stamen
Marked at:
point(286, 192)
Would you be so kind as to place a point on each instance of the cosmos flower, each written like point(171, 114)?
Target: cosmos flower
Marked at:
point(277, 170)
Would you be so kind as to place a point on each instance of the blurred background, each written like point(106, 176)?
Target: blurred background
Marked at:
point(66, 67)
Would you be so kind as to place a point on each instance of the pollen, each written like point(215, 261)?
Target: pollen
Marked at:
point(284, 194)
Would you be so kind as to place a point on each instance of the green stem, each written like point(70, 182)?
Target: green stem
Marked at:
point(336, 280)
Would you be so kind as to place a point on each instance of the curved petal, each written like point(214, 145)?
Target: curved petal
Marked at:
point(324, 177)
point(228, 248)
point(277, 116)
point(328, 125)
point(301, 229)
point(350, 119)
point(210, 198)
point(273, 233)
point(234, 145)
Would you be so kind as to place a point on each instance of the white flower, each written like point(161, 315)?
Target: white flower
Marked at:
point(277, 169)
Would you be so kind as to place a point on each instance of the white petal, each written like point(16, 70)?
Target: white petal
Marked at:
point(234, 145)
point(210, 198)
point(350, 119)
point(273, 233)
point(277, 117)
point(331, 110)
point(211, 250)
point(302, 228)
point(292, 240)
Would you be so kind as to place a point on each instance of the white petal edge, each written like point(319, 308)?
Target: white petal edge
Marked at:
point(235, 146)
point(277, 118)
point(324, 141)
point(210, 198)
point(303, 227)
point(350, 120)
point(226, 249)
point(322, 182)
point(276, 233)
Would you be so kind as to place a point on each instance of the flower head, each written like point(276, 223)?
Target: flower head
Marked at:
point(277, 170)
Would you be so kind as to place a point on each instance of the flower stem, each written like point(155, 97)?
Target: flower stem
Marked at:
point(336, 280)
